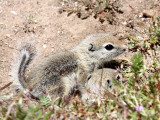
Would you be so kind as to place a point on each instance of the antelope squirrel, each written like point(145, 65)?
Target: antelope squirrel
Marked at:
point(100, 80)
point(58, 74)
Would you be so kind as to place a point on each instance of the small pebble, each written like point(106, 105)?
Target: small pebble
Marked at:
point(124, 23)
point(13, 12)
point(44, 46)
point(139, 38)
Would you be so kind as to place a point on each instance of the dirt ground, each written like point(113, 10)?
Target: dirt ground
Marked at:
point(40, 22)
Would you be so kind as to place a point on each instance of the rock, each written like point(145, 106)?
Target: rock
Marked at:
point(148, 13)
point(84, 15)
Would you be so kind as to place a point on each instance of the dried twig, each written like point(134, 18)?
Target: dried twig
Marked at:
point(5, 86)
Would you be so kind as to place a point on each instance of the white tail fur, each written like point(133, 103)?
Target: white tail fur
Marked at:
point(22, 60)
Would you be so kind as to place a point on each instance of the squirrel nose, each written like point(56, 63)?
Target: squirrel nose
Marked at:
point(124, 49)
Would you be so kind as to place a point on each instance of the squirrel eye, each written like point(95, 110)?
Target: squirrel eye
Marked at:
point(108, 81)
point(118, 77)
point(109, 47)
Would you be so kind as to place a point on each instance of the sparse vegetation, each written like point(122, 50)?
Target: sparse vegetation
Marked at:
point(101, 9)
point(147, 43)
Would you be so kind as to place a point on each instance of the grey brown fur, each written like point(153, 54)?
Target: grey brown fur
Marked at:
point(58, 74)
point(100, 80)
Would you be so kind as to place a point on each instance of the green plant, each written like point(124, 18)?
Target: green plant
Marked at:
point(137, 65)
point(44, 100)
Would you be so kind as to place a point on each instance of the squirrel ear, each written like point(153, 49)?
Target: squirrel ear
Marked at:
point(91, 47)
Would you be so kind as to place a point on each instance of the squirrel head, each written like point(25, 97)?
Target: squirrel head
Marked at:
point(105, 47)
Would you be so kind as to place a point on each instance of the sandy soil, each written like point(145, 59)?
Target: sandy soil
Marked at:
point(40, 22)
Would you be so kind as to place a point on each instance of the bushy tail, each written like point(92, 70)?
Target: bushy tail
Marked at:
point(22, 60)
